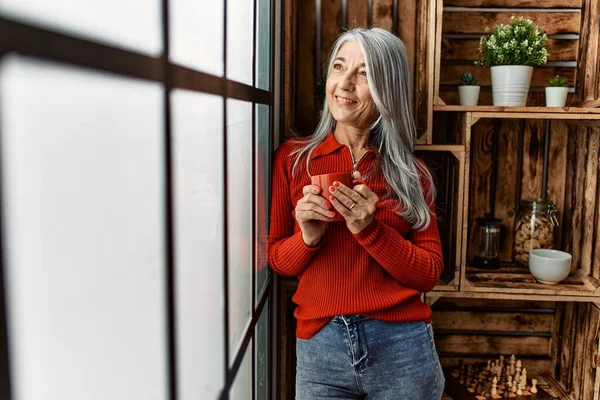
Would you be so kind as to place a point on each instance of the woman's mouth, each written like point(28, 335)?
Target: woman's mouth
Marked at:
point(344, 100)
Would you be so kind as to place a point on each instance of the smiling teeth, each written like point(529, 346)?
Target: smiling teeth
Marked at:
point(345, 100)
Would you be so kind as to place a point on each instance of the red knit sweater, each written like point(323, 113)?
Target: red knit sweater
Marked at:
point(379, 272)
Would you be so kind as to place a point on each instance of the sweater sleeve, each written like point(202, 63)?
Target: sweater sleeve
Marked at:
point(415, 262)
point(288, 254)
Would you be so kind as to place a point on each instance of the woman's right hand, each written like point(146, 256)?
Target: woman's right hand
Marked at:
point(313, 214)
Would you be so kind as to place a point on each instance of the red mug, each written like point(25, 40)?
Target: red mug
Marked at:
point(326, 180)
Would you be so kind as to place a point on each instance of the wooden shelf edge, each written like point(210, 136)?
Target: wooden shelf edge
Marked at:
point(554, 387)
point(445, 288)
point(512, 296)
point(529, 110)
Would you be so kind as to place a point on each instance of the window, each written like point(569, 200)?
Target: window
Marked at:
point(134, 199)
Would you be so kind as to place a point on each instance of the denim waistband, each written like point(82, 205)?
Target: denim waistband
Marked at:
point(348, 319)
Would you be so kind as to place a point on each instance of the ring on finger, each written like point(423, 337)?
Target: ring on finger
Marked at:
point(352, 206)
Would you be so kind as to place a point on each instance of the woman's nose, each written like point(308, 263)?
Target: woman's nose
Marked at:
point(346, 82)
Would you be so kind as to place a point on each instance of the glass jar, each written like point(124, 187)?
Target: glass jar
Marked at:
point(488, 242)
point(534, 228)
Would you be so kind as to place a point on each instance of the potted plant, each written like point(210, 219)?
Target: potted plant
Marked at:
point(468, 91)
point(556, 91)
point(512, 51)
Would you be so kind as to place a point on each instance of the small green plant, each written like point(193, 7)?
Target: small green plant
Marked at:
point(518, 43)
point(468, 79)
point(557, 81)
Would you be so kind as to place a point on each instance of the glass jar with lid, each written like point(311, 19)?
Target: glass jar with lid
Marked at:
point(534, 228)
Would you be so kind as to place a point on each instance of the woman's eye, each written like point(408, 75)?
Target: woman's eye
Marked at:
point(337, 66)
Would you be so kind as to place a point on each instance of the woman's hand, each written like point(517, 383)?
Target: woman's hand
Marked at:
point(357, 205)
point(313, 214)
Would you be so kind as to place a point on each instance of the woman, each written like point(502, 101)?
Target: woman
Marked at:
point(363, 331)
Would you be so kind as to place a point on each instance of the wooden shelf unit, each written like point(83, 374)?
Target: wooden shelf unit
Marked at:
point(450, 177)
point(510, 281)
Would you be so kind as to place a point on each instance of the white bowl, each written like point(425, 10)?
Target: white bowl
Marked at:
point(549, 266)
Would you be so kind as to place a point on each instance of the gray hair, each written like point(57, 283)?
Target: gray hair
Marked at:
point(394, 132)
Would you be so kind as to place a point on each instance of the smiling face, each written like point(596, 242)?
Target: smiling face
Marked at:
point(348, 95)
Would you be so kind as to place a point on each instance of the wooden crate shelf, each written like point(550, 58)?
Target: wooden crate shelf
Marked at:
point(546, 112)
point(447, 164)
point(510, 281)
point(514, 279)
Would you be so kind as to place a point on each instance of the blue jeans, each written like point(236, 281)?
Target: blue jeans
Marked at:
point(354, 357)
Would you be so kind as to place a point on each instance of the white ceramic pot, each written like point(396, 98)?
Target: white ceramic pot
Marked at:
point(510, 84)
point(468, 95)
point(556, 96)
point(549, 266)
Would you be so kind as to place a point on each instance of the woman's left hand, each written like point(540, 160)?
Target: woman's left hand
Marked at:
point(357, 205)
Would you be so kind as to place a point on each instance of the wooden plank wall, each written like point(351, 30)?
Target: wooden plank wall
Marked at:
point(300, 53)
point(577, 359)
point(481, 330)
point(560, 19)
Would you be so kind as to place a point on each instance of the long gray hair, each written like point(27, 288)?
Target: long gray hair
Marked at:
point(394, 132)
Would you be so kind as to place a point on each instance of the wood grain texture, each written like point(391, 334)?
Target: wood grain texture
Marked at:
point(407, 16)
point(556, 336)
point(595, 272)
point(588, 64)
point(422, 78)
point(568, 215)
point(481, 168)
point(289, 58)
point(557, 168)
point(357, 14)
point(551, 23)
point(494, 321)
point(531, 183)
point(437, 52)
point(577, 195)
point(450, 74)
point(456, 304)
point(534, 367)
point(492, 345)
point(305, 114)
point(578, 349)
point(287, 339)
point(590, 196)
point(514, 3)
point(331, 27)
point(455, 49)
point(508, 144)
point(383, 15)
point(466, 121)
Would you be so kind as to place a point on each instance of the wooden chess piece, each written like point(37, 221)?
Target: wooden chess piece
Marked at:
point(533, 386)
point(479, 388)
point(519, 390)
point(494, 386)
point(506, 394)
point(524, 377)
point(488, 365)
point(487, 389)
point(514, 386)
